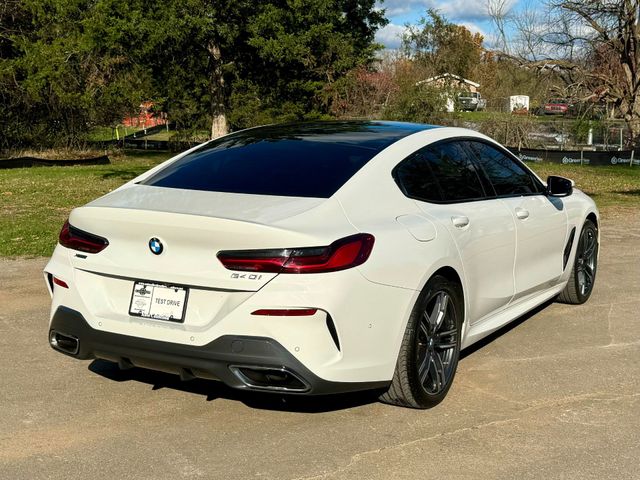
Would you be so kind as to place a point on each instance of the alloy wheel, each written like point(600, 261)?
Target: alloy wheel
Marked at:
point(586, 261)
point(437, 343)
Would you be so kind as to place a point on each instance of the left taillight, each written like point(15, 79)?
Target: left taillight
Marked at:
point(76, 239)
point(342, 254)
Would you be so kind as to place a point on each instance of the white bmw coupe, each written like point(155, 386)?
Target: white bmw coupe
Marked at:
point(318, 258)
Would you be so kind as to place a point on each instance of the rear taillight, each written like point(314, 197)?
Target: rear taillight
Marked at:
point(76, 239)
point(345, 253)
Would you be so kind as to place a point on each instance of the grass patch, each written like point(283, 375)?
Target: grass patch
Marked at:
point(197, 135)
point(34, 202)
point(163, 135)
point(106, 134)
point(610, 187)
point(54, 153)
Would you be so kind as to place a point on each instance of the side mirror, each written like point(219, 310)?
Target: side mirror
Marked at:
point(559, 186)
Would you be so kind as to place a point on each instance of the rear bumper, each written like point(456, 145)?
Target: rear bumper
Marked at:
point(222, 359)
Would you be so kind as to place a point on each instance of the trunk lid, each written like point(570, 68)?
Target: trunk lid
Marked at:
point(193, 227)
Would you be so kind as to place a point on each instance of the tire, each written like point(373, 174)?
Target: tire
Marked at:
point(430, 348)
point(584, 268)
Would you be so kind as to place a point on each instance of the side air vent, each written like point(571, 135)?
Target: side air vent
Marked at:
point(332, 331)
point(567, 248)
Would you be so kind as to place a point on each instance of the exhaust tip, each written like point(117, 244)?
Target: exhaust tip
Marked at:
point(64, 343)
point(278, 379)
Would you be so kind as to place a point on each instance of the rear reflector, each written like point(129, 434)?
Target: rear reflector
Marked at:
point(60, 283)
point(342, 254)
point(76, 239)
point(285, 312)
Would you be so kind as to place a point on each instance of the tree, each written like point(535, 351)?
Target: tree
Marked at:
point(66, 65)
point(236, 62)
point(606, 29)
point(64, 68)
point(443, 47)
point(364, 92)
point(499, 13)
point(594, 47)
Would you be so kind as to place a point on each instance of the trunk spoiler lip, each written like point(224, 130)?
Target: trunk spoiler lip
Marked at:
point(257, 209)
point(190, 286)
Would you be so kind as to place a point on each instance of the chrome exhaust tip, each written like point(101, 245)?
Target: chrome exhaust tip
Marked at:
point(278, 379)
point(64, 343)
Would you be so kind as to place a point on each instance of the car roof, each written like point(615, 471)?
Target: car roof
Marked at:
point(372, 134)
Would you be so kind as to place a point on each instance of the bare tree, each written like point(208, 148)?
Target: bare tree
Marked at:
point(529, 24)
point(499, 13)
point(598, 44)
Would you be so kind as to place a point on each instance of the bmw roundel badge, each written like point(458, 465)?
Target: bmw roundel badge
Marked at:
point(155, 245)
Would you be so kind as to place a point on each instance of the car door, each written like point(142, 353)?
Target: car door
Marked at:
point(541, 221)
point(444, 181)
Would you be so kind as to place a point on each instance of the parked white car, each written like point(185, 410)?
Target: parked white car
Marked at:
point(472, 101)
point(318, 258)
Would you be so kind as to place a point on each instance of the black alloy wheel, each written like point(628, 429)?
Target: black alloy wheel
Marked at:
point(430, 348)
point(437, 343)
point(585, 265)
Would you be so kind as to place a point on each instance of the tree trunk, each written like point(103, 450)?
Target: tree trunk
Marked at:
point(219, 125)
point(629, 106)
point(633, 123)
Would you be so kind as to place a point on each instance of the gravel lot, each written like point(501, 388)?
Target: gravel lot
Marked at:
point(557, 395)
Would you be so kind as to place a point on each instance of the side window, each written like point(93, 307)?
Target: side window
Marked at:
point(440, 173)
point(507, 177)
point(415, 178)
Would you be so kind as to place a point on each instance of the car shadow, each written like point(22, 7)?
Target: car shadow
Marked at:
point(127, 174)
point(212, 390)
point(501, 331)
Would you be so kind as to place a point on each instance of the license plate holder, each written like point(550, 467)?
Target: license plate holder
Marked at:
point(158, 301)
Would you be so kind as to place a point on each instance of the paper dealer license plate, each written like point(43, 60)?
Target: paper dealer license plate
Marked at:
point(157, 301)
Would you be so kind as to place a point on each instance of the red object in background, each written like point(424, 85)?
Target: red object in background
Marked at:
point(146, 118)
point(556, 106)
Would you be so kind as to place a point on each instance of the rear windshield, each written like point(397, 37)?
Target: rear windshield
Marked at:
point(275, 161)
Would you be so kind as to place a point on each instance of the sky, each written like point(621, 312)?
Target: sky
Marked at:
point(470, 13)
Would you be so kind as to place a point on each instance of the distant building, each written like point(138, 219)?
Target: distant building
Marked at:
point(146, 117)
point(453, 83)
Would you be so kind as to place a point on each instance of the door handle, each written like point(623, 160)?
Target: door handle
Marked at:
point(460, 221)
point(521, 213)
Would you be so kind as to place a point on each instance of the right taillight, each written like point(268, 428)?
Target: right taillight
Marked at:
point(342, 254)
point(76, 239)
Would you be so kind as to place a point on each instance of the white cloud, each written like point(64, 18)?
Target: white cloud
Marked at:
point(396, 8)
point(390, 36)
point(473, 28)
point(454, 10)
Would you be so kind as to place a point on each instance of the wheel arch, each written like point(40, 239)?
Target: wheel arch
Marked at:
point(451, 273)
point(593, 216)
point(454, 277)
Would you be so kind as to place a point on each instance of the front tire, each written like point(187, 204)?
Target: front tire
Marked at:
point(583, 272)
point(430, 348)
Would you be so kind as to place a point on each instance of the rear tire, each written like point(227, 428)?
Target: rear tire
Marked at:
point(585, 265)
point(430, 348)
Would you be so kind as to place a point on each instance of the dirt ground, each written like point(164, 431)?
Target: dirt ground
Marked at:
point(555, 395)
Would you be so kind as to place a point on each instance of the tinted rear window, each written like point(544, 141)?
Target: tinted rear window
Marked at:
point(443, 172)
point(307, 160)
